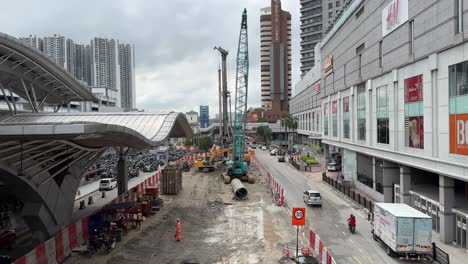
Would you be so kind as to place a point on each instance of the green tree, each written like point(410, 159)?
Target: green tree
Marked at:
point(264, 133)
point(262, 120)
point(188, 141)
point(288, 122)
point(205, 143)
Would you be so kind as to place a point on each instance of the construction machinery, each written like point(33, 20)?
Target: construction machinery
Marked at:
point(208, 164)
point(237, 168)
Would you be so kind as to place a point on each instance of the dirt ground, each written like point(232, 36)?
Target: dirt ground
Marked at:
point(215, 227)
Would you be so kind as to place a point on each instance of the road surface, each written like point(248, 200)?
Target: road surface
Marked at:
point(329, 222)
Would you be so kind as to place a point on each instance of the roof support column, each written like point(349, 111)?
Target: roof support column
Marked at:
point(122, 173)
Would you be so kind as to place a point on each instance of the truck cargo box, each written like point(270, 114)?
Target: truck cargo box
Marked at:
point(402, 228)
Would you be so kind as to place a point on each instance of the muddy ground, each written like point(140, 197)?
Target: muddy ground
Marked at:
point(215, 227)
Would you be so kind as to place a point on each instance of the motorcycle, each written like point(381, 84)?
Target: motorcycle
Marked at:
point(109, 245)
point(94, 244)
point(351, 227)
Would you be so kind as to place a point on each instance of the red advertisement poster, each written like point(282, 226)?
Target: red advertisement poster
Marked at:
point(335, 107)
point(459, 134)
point(414, 89)
point(317, 87)
point(416, 132)
point(346, 104)
point(325, 109)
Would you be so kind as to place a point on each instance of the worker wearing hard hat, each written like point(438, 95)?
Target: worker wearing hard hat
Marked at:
point(178, 230)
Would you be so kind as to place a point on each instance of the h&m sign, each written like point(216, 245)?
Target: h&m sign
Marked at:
point(394, 15)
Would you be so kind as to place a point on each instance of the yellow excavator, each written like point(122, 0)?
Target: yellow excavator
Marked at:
point(208, 164)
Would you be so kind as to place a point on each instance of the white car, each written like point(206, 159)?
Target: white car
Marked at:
point(264, 148)
point(333, 166)
point(107, 184)
point(273, 152)
point(312, 197)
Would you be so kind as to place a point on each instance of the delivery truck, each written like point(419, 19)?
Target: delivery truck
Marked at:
point(406, 232)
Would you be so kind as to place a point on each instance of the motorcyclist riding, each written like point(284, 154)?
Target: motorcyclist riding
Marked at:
point(352, 223)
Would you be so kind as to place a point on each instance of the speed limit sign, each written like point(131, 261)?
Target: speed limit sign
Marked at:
point(298, 216)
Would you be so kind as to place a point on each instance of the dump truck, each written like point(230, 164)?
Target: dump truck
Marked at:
point(406, 232)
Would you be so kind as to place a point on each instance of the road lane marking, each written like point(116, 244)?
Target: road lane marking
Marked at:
point(336, 225)
point(361, 250)
point(370, 259)
point(350, 240)
point(344, 234)
point(357, 260)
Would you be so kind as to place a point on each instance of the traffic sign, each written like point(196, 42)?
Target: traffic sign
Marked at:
point(298, 216)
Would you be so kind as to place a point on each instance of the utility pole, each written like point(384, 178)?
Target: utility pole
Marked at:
point(224, 54)
point(220, 95)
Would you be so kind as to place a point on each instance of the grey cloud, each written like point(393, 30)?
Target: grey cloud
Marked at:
point(176, 65)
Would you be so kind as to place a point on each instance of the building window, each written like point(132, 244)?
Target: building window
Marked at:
point(361, 111)
point(337, 3)
point(359, 65)
point(411, 37)
point(325, 119)
point(458, 16)
point(330, 14)
point(382, 116)
point(346, 117)
point(380, 53)
point(458, 92)
point(335, 117)
point(359, 12)
point(414, 112)
point(330, 5)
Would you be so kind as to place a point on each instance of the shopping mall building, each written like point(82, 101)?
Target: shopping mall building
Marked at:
point(394, 102)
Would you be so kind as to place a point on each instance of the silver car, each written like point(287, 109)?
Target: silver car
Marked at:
point(312, 197)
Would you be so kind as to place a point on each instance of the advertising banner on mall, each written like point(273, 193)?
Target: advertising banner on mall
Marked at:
point(394, 15)
point(459, 134)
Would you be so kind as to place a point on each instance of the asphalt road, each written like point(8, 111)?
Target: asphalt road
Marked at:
point(329, 222)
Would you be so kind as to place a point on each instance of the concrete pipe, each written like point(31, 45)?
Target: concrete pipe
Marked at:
point(238, 189)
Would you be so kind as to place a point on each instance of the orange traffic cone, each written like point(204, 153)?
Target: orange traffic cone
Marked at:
point(78, 193)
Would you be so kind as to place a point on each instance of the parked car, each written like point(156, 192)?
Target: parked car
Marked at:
point(264, 148)
point(8, 239)
point(281, 159)
point(107, 184)
point(333, 166)
point(312, 197)
point(273, 152)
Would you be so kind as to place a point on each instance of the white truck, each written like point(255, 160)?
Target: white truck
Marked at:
point(406, 232)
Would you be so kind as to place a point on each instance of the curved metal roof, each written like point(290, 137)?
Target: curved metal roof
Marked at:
point(27, 72)
point(135, 129)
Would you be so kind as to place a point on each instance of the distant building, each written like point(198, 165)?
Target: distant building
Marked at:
point(192, 117)
point(316, 16)
point(33, 42)
point(127, 76)
point(275, 41)
point(54, 49)
point(204, 116)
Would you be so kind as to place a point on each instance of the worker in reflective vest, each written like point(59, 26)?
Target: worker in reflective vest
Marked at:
point(178, 230)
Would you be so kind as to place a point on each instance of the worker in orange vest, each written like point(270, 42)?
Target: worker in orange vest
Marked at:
point(178, 230)
point(139, 219)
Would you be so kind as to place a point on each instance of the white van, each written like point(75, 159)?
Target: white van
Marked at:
point(107, 184)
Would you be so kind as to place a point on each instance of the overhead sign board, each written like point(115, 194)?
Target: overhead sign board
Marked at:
point(298, 216)
point(394, 15)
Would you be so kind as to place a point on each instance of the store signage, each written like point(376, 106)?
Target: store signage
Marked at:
point(459, 134)
point(394, 15)
point(328, 65)
point(335, 107)
point(414, 89)
point(317, 87)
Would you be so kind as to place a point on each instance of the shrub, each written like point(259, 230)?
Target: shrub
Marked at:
point(309, 160)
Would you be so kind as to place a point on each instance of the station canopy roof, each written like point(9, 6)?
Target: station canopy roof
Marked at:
point(138, 130)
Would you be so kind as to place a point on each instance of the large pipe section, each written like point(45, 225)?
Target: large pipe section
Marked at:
point(238, 189)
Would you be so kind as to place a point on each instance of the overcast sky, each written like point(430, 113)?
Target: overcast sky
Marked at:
point(176, 66)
